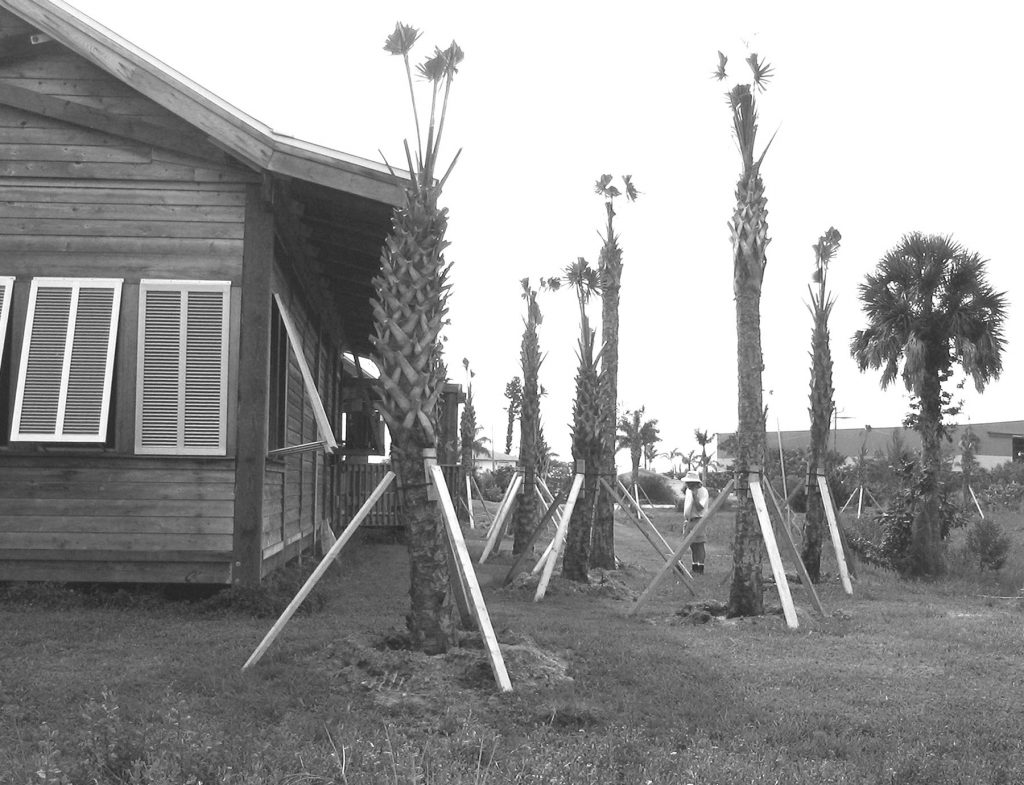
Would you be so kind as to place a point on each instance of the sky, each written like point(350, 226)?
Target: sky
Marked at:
point(888, 118)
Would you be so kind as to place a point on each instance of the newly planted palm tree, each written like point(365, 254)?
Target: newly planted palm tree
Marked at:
point(587, 432)
point(822, 404)
point(609, 268)
point(409, 308)
point(929, 307)
point(703, 439)
point(749, 232)
point(470, 441)
point(529, 420)
point(636, 435)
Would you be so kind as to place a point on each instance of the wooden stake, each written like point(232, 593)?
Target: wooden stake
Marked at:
point(321, 568)
point(467, 577)
point(497, 528)
point(483, 502)
point(684, 574)
point(559, 538)
point(666, 568)
point(768, 534)
point(469, 502)
point(833, 530)
point(517, 566)
point(790, 545)
point(976, 502)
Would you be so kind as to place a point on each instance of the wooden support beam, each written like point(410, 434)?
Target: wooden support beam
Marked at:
point(556, 543)
point(774, 558)
point(467, 578)
point(790, 547)
point(833, 530)
point(517, 566)
point(496, 531)
point(321, 568)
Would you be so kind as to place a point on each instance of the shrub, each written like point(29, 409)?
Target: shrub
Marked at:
point(655, 486)
point(988, 543)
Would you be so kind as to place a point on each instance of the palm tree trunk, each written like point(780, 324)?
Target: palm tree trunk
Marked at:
point(925, 553)
point(746, 594)
point(821, 415)
point(431, 620)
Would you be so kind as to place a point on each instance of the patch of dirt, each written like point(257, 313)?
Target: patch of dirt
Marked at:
point(610, 584)
point(702, 612)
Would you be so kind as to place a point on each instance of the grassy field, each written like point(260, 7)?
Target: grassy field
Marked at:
point(901, 683)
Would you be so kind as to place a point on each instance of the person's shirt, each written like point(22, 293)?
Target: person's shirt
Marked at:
point(694, 503)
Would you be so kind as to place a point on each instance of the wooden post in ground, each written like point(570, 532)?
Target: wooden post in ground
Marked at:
point(498, 526)
point(483, 503)
point(467, 578)
point(794, 553)
point(321, 568)
point(517, 566)
point(774, 558)
point(666, 568)
point(833, 530)
point(563, 527)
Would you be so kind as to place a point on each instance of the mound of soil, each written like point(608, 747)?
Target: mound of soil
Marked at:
point(611, 584)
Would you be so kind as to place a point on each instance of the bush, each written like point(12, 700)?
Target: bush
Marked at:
point(988, 543)
point(655, 486)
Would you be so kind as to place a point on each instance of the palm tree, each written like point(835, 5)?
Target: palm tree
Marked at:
point(703, 439)
point(929, 306)
point(409, 309)
point(529, 419)
point(636, 434)
point(822, 403)
point(471, 442)
point(514, 393)
point(609, 267)
point(587, 433)
point(749, 231)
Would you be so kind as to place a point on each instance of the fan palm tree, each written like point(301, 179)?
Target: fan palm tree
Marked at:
point(749, 232)
point(929, 306)
point(822, 403)
point(609, 267)
point(409, 309)
point(514, 393)
point(529, 419)
point(636, 435)
point(587, 433)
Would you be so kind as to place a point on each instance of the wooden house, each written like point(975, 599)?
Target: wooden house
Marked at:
point(178, 284)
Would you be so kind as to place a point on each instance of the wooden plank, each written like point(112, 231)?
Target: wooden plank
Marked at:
point(135, 196)
point(321, 568)
point(100, 524)
point(467, 577)
point(666, 568)
point(52, 210)
point(183, 229)
point(131, 541)
point(114, 508)
point(559, 538)
point(130, 186)
point(157, 170)
point(497, 528)
point(833, 530)
point(253, 389)
point(518, 564)
point(122, 245)
point(774, 558)
point(131, 267)
point(47, 489)
point(15, 473)
point(790, 546)
point(100, 554)
point(116, 572)
point(80, 153)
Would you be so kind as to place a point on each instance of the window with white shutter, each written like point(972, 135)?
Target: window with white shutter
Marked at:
point(67, 360)
point(181, 395)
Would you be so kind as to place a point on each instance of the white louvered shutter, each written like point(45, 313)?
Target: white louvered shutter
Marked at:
point(181, 403)
point(6, 292)
point(67, 360)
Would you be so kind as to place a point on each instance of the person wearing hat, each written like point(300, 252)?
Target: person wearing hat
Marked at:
point(695, 501)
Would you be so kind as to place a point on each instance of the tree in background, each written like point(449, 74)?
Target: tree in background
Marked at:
point(929, 306)
point(529, 419)
point(822, 399)
point(514, 393)
point(636, 434)
point(703, 439)
point(409, 309)
point(472, 444)
point(969, 442)
point(587, 433)
point(749, 232)
point(609, 268)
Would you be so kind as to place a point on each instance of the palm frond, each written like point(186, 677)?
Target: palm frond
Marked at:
point(601, 186)
point(631, 192)
point(761, 70)
point(401, 39)
point(719, 73)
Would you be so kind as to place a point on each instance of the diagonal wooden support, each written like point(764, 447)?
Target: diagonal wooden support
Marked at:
point(666, 568)
point(652, 535)
point(517, 566)
point(794, 554)
point(833, 530)
point(498, 526)
point(321, 568)
point(467, 577)
point(559, 538)
point(774, 558)
point(483, 503)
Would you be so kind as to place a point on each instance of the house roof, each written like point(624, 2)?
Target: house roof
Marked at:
point(332, 210)
point(228, 127)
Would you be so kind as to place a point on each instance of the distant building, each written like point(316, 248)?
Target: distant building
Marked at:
point(998, 442)
point(495, 460)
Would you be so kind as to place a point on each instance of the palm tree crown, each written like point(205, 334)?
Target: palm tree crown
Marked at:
point(929, 306)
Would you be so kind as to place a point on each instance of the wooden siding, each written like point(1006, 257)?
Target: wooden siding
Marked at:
point(135, 519)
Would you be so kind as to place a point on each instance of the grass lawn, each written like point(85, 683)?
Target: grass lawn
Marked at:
point(901, 683)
